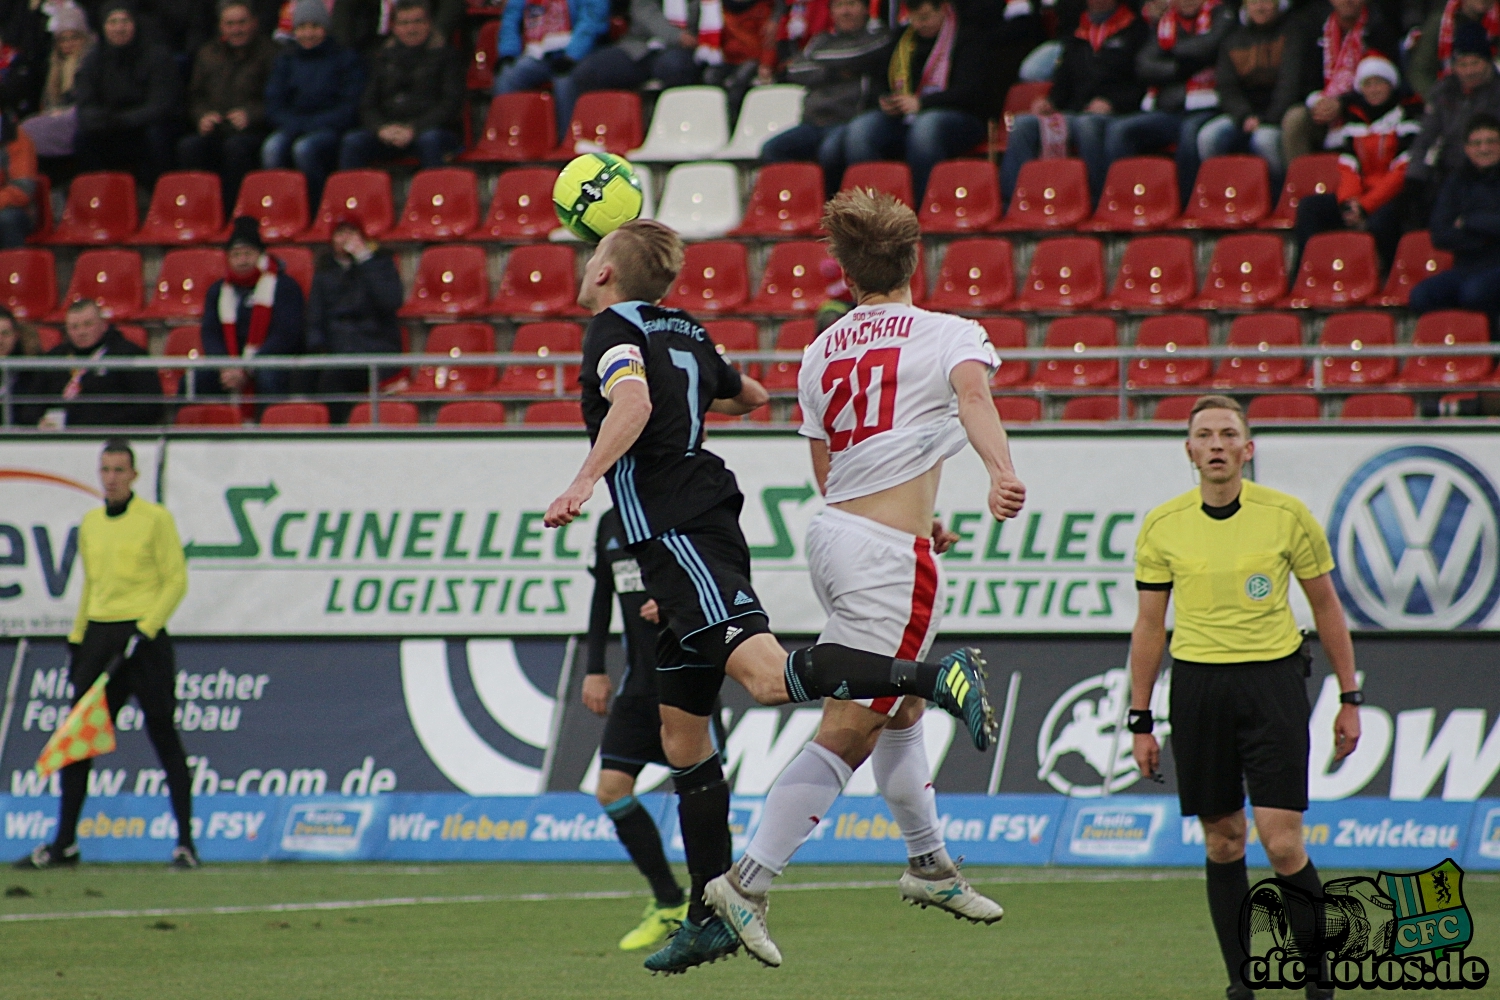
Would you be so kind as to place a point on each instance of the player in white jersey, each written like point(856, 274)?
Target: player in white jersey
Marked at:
point(888, 393)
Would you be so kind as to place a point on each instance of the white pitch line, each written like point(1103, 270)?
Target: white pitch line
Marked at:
point(548, 897)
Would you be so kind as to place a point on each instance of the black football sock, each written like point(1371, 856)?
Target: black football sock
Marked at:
point(1228, 885)
point(75, 788)
point(703, 813)
point(642, 842)
point(1306, 920)
point(829, 670)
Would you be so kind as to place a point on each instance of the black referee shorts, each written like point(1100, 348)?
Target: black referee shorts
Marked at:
point(1237, 726)
point(699, 575)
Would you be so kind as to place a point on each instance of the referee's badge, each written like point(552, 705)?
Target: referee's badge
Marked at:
point(1258, 587)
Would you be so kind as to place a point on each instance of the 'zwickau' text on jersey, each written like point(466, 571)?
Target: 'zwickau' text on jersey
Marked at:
point(666, 477)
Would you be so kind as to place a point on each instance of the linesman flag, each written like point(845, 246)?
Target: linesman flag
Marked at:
point(88, 731)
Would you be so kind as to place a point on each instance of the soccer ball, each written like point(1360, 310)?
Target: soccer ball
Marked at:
point(596, 194)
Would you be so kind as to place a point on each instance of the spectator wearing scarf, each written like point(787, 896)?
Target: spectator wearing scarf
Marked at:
point(1334, 39)
point(256, 309)
point(1431, 59)
point(1179, 65)
point(1094, 80)
point(542, 40)
point(1472, 88)
point(943, 89)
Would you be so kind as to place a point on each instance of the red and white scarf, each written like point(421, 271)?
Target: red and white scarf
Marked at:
point(262, 297)
point(546, 27)
point(1342, 51)
point(1490, 23)
point(1097, 34)
point(710, 49)
point(1201, 92)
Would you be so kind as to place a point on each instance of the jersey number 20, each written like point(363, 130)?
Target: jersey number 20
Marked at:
point(869, 385)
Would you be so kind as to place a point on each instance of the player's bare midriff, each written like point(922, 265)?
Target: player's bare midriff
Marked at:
point(906, 507)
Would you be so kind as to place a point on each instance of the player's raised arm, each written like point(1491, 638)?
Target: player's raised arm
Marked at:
point(976, 411)
point(629, 409)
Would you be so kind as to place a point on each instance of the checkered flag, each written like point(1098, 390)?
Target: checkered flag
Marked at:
point(88, 730)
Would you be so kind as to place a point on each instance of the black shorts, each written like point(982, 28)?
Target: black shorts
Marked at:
point(632, 735)
point(699, 574)
point(1238, 726)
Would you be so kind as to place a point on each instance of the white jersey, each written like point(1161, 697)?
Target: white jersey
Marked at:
point(875, 387)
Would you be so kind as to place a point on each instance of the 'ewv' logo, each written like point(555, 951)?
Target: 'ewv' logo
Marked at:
point(1416, 535)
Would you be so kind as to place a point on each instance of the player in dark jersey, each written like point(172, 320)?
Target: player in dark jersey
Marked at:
point(649, 375)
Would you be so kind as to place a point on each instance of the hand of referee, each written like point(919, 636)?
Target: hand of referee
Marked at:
point(1007, 496)
point(596, 693)
point(1345, 732)
point(1147, 753)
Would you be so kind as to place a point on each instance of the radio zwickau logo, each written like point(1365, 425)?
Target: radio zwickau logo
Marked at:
point(1416, 535)
point(1393, 932)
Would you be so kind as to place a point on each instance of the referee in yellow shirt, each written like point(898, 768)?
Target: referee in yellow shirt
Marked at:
point(134, 576)
point(1227, 551)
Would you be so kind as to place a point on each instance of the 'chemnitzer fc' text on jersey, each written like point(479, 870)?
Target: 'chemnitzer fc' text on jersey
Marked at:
point(875, 387)
point(666, 477)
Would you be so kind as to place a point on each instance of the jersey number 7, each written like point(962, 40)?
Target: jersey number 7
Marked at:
point(869, 385)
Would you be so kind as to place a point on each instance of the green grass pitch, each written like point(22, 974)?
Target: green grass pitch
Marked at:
point(466, 933)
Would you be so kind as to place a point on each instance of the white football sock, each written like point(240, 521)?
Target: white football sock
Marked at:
point(800, 798)
point(905, 780)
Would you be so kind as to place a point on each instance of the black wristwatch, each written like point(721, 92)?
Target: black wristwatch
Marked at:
point(1141, 721)
point(1352, 697)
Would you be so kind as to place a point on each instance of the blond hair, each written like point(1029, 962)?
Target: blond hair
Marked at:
point(647, 257)
point(874, 237)
point(1220, 403)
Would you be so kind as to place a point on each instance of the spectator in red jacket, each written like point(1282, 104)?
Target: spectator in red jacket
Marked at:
point(1325, 56)
point(17, 190)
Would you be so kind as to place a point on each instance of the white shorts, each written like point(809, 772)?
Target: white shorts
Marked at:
point(879, 587)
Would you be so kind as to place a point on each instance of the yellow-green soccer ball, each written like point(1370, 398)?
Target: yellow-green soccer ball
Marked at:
point(596, 194)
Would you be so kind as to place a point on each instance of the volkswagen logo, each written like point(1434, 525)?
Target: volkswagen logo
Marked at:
point(1416, 536)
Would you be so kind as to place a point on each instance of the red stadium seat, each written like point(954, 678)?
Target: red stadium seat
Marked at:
point(182, 342)
point(443, 204)
point(1449, 327)
point(787, 201)
point(1338, 270)
point(604, 118)
point(1315, 173)
point(794, 335)
point(1297, 406)
point(295, 415)
point(1018, 409)
point(1078, 334)
point(209, 415)
point(518, 127)
point(1416, 261)
point(1007, 333)
point(1232, 192)
point(451, 281)
point(736, 336)
point(41, 203)
point(1140, 194)
point(278, 199)
point(364, 194)
point(919, 279)
point(48, 337)
point(456, 340)
point(1049, 194)
point(976, 274)
point(962, 196)
point(111, 278)
point(793, 281)
point(539, 280)
point(1248, 271)
point(1018, 101)
point(1157, 272)
point(183, 283)
point(481, 74)
point(396, 413)
point(1096, 409)
point(137, 335)
point(1168, 333)
point(1174, 408)
point(522, 206)
point(553, 413)
point(186, 207)
point(471, 413)
point(1379, 406)
point(1066, 273)
point(1358, 330)
point(298, 264)
point(891, 176)
point(715, 278)
point(542, 339)
point(1261, 333)
point(100, 209)
point(28, 282)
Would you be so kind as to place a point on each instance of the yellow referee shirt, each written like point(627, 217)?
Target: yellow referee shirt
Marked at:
point(133, 568)
point(1230, 577)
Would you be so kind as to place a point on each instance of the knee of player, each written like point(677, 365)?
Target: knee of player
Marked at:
point(1285, 852)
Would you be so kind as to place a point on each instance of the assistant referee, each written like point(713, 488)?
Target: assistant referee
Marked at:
point(134, 576)
point(1239, 708)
